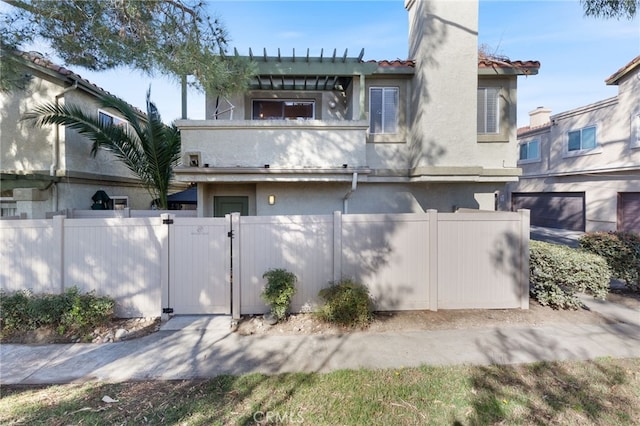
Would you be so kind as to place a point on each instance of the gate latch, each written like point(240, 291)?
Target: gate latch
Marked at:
point(230, 234)
point(167, 221)
point(167, 310)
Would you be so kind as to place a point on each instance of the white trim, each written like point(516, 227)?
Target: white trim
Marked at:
point(397, 123)
point(529, 160)
point(498, 122)
point(597, 149)
point(116, 119)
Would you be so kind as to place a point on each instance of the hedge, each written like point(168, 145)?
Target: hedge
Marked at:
point(621, 251)
point(558, 272)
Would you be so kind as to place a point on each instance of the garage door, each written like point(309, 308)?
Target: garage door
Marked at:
point(564, 210)
point(629, 211)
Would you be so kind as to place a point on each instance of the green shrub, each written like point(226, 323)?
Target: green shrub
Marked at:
point(557, 273)
point(346, 303)
point(622, 252)
point(85, 311)
point(279, 291)
point(70, 311)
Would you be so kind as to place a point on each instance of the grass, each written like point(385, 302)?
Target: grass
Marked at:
point(601, 392)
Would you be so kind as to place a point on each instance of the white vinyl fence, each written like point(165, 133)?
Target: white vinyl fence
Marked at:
point(181, 265)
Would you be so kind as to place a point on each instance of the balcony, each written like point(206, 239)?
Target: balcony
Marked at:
point(277, 147)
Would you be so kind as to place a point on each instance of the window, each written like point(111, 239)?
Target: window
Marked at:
point(383, 110)
point(120, 202)
point(8, 209)
point(635, 131)
point(283, 110)
point(582, 139)
point(108, 119)
point(530, 150)
point(488, 110)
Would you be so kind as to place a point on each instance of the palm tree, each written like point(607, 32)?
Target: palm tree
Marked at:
point(149, 148)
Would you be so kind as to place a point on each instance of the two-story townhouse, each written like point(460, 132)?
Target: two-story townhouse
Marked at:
point(581, 168)
point(317, 134)
point(51, 168)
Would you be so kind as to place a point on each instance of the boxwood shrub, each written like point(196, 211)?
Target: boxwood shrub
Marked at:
point(621, 251)
point(558, 272)
point(346, 303)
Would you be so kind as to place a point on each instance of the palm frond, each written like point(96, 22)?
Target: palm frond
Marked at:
point(149, 148)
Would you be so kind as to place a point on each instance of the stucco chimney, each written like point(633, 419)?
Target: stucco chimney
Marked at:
point(443, 41)
point(539, 117)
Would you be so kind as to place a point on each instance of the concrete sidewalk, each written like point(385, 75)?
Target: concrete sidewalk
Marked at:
point(202, 347)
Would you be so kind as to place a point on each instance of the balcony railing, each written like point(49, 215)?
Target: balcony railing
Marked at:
point(290, 144)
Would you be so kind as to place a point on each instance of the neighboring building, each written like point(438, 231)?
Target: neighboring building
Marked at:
point(316, 134)
point(51, 168)
point(581, 168)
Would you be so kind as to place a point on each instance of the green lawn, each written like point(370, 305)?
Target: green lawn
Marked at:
point(603, 392)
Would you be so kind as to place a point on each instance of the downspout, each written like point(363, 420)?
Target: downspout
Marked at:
point(345, 200)
point(53, 169)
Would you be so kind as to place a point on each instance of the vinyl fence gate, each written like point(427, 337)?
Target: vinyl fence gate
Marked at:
point(199, 266)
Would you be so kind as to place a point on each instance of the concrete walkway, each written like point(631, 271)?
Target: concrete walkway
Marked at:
point(202, 347)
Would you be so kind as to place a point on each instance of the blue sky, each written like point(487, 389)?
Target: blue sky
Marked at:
point(576, 53)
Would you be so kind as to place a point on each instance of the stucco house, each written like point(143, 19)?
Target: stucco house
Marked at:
point(331, 132)
point(50, 169)
point(581, 168)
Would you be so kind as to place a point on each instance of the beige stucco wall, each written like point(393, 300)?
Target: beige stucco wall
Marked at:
point(22, 147)
point(601, 194)
point(279, 143)
point(327, 197)
point(612, 167)
point(74, 195)
point(443, 100)
point(60, 178)
point(76, 154)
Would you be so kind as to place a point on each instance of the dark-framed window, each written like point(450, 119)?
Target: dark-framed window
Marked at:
point(582, 139)
point(530, 150)
point(283, 109)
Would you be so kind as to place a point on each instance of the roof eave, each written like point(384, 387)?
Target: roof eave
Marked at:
point(507, 71)
point(622, 72)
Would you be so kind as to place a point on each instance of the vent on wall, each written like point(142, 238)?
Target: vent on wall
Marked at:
point(193, 159)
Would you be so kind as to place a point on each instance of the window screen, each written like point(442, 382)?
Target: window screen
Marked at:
point(383, 110)
point(488, 110)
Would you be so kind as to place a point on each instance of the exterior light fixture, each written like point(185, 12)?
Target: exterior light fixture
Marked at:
point(271, 199)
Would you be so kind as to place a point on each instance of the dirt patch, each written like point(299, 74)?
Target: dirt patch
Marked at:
point(117, 329)
point(536, 315)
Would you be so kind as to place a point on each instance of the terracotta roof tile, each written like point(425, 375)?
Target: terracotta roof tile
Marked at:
point(39, 59)
point(615, 77)
point(493, 62)
point(526, 129)
point(395, 63)
point(483, 62)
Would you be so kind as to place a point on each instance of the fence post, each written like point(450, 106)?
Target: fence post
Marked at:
point(57, 270)
point(432, 281)
point(234, 268)
point(524, 257)
point(337, 246)
point(165, 264)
